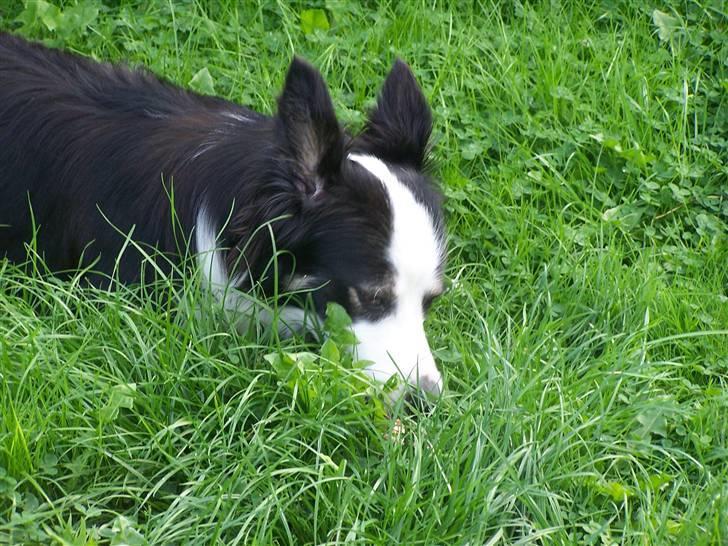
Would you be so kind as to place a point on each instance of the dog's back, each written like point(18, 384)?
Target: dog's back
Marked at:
point(77, 136)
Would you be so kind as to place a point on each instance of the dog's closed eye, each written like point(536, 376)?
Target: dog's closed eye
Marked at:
point(374, 302)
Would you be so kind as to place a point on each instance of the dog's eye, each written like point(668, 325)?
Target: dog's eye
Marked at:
point(371, 302)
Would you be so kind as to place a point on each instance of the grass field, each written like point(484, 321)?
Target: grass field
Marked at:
point(583, 151)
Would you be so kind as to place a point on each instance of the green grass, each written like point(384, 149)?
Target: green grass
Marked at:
point(584, 336)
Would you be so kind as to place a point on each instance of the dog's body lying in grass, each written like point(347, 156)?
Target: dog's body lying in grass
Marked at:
point(93, 154)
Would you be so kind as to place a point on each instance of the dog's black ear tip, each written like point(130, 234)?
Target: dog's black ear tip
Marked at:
point(302, 76)
point(298, 63)
point(401, 85)
point(401, 66)
point(305, 92)
point(402, 72)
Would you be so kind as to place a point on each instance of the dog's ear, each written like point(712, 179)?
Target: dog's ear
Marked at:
point(399, 127)
point(309, 121)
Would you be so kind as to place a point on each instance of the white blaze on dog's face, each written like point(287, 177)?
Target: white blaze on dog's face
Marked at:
point(396, 343)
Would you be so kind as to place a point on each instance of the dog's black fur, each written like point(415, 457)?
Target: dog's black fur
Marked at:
point(90, 152)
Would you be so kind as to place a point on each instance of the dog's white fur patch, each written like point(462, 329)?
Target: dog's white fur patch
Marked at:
point(397, 343)
point(209, 256)
point(215, 279)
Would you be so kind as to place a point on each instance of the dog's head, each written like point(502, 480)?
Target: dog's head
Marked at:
point(368, 220)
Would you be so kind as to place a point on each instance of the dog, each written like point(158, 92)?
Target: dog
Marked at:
point(93, 155)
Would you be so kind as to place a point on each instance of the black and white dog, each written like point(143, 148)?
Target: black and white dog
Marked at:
point(92, 154)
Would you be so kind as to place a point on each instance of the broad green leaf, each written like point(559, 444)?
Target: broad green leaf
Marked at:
point(202, 82)
point(124, 533)
point(336, 317)
point(653, 421)
point(77, 18)
point(314, 19)
point(666, 24)
point(655, 482)
point(617, 491)
point(122, 396)
point(29, 16)
point(297, 371)
point(73, 19)
point(281, 362)
point(50, 15)
point(471, 150)
point(338, 325)
point(330, 352)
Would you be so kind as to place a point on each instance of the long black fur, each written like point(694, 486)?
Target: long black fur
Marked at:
point(92, 151)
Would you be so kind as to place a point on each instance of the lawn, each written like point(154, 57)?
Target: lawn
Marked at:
point(583, 152)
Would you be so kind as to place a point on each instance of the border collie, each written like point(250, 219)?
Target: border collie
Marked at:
point(93, 154)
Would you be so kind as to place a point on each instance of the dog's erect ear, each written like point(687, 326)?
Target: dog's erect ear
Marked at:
point(309, 121)
point(399, 127)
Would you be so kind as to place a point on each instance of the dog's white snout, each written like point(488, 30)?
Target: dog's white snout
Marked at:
point(402, 352)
